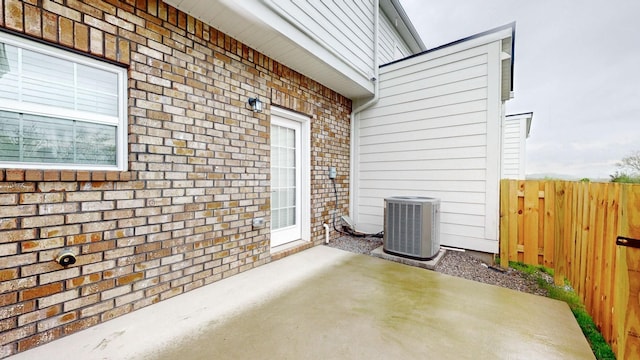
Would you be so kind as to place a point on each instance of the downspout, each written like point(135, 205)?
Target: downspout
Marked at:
point(326, 232)
point(372, 101)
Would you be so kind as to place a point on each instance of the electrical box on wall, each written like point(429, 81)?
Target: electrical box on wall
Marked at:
point(332, 172)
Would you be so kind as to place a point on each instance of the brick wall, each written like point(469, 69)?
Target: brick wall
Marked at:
point(180, 218)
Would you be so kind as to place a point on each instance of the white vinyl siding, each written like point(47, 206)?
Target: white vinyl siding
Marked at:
point(346, 27)
point(391, 45)
point(435, 132)
point(513, 147)
point(59, 110)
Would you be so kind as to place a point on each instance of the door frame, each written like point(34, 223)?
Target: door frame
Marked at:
point(305, 167)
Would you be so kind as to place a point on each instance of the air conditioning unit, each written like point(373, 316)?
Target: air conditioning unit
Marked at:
point(412, 226)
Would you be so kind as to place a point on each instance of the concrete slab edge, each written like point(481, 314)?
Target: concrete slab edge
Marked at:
point(425, 264)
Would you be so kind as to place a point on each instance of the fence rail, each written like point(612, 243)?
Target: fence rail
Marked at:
point(572, 227)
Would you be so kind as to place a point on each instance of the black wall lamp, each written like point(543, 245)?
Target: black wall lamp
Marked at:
point(256, 104)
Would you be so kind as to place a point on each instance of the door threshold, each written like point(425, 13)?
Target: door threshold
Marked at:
point(290, 248)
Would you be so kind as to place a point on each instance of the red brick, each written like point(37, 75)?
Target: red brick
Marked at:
point(96, 42)
point(52, 175)
point(34, 316)
point(8, 274)
point(127, 279)
point(33, 175)
point(14, 175)
point(8, 298)
point(39, 221)
point(17, 334)
point(108, 315)
point(32, 20)
point(69, 175)
point(111, 53)
point(40, 291)
point(84, 280)
point(98, 287)
point(80, 325)
point(17, 309)
point(65, 31)
point(7, 324)
point(17, 235)
point(56, 321)
point(17, 260)
point(50, 26)
point(39, 339)
point(55, 186)
point(84, 175)
point(98, 176)
point(13, 15)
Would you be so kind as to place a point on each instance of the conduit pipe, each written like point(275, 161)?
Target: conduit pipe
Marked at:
point(326, 232)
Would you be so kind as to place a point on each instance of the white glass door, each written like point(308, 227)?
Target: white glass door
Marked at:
point(286, 181)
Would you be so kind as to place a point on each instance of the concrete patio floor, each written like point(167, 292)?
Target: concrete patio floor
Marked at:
point(325, 303)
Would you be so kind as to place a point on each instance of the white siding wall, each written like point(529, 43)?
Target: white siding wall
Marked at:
point(392, 47)
point(514, 147)
point(345, 26)
point(436, 132)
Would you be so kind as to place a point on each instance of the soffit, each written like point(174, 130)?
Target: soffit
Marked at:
point(256, 25)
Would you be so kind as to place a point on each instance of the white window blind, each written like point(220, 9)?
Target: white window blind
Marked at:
point(59, 109)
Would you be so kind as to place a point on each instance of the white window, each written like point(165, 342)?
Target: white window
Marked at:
point(60, 110)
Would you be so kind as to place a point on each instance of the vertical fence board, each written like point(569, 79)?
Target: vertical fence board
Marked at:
point(599, 226)
point(590, 255)
point(549, 224)
point(559, 245)
point(531, 216)
point(584, 241)
point(568, 224)
point(576, 224)
point(611, 231)
point(572, 228)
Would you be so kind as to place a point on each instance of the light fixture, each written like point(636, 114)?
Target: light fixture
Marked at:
point(256, 104)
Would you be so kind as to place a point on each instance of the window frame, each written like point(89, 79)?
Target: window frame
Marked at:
point(121, 121)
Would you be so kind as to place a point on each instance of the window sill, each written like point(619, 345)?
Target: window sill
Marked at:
point(65, 175)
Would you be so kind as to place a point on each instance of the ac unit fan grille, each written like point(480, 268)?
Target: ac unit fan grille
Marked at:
point(404, 227)
point(412, 227)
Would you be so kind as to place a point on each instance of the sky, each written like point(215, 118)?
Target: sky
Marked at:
point(577, 68)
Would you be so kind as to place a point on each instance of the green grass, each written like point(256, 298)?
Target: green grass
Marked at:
point(599, 346)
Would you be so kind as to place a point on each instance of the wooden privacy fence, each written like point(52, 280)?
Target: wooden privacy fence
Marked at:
point(572, 228)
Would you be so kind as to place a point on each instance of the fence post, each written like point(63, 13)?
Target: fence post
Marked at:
point(504, 223)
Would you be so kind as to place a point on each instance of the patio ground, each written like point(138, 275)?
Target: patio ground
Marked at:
point(327, 303)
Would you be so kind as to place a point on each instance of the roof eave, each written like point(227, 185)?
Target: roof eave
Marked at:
point(394, 10)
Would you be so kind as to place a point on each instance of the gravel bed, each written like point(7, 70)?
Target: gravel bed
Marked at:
point(460, 264)
point(455, 263)
point(359, 245)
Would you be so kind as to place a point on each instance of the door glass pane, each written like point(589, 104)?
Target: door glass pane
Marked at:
point(283, 176)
